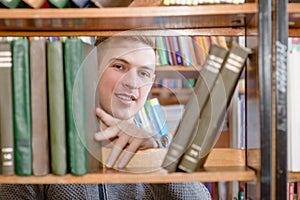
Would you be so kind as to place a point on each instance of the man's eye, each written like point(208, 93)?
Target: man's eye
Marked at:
point(145, 74)
point(117, 66)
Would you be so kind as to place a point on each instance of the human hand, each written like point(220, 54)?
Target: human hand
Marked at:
point(126, 138)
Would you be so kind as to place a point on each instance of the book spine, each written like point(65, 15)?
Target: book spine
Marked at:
point(21, 107)
point(90, 68)
point(39, 108)
point(211, 119)
point(75, 106)
point(185, 129)
point(56, 98)
point(159, 117)
point(293, 106)
point(6, 110)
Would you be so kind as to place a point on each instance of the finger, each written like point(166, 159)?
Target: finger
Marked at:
point(105, 117)
point(108, 133)
point(129, 153)
point(117, 150)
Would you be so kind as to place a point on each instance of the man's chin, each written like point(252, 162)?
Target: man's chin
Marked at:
point(125, 115)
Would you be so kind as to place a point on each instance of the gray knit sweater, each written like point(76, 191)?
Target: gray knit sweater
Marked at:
point(139, 191)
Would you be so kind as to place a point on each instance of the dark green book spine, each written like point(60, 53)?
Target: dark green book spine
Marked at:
point(212, 117)
point(75, 106)
point(185, 130)
point(21, 107)
point(6, 110)
point(56, 98)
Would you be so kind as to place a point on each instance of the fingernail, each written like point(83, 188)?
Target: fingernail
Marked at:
point(109, 164)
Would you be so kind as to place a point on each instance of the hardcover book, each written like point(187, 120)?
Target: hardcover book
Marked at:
point(185, 130)
point(75, 106)
point(35, 3)
point(90, 69)
point(293, 105)
point(21, 107)
point(213, 113)
point(39, 107)
point(56, 98)
point(6, 110)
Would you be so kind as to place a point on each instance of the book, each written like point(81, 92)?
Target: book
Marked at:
point(60, 3)
point(159, 117)
point(35, 3)
point(293, 106)
point(56, 104)
point(39, 107)
point(213, 113)
point(81, 3)
point(11, 3)
point(21, 107)
point(185, 130)
point(90, 68)
point(6, 110)
point(75, 106)
point(151, 118)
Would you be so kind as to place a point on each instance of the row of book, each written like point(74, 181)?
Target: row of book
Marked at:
point(201, 2)
point(204, 114)
point(62, 3)
point(44, 109)
point(186, 50)
point(293, 191)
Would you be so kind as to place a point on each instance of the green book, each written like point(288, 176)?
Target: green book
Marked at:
point(60, 3)
point(56, 103)
point(11, 3)
point(21, 107)
point(75, 106)
point(214, 110)
point(185, 130)
point(6, 110)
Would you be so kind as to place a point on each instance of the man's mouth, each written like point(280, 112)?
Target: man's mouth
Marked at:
point(126, 97)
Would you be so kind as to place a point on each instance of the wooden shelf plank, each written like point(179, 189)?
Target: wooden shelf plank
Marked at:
point(211, 174)
point(223, 164)
point(116, 19)
point(177, 72)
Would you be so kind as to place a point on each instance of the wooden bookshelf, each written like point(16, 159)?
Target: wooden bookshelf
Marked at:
point(225, 20)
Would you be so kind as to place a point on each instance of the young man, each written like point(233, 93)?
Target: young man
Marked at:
point(126, 66)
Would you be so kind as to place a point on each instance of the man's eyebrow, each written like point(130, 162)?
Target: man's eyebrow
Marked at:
point(118, 59)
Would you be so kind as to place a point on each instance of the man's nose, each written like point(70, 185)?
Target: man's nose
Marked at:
point(131, 79)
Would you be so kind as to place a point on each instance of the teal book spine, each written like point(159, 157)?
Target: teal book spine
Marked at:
point(21, 107)
point(75, 106)
point(159, 117)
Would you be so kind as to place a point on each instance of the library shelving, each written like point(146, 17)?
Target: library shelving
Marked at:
point(250, 20)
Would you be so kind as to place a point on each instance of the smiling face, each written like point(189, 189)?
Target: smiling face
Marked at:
point(126, 76)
